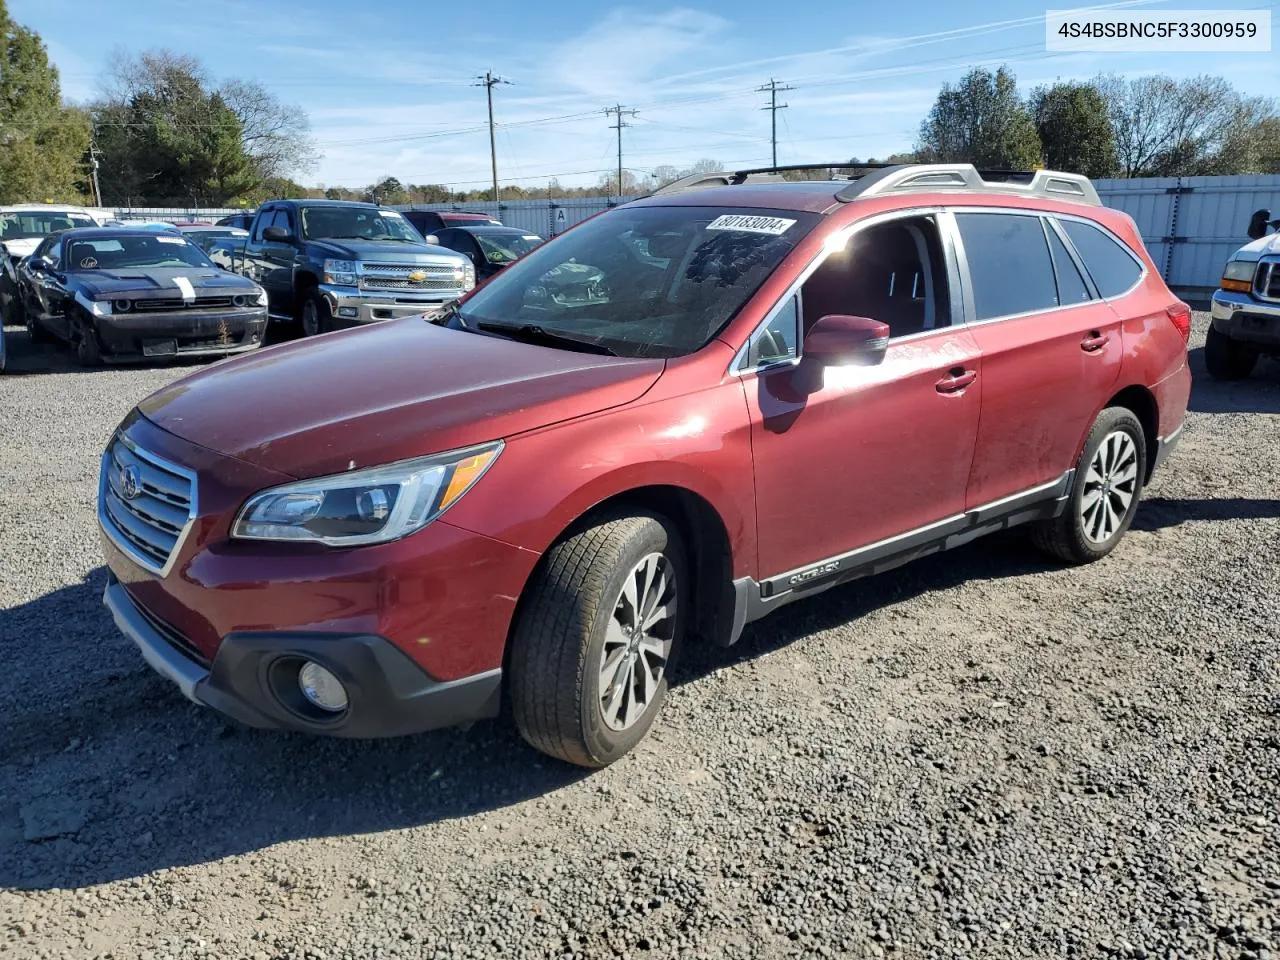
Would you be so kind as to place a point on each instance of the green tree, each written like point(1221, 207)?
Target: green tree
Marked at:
point(981, 121)
point(1075, 131)
point(43, 143)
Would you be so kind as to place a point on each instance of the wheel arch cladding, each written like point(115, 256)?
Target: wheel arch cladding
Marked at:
point(706, 540)
point(1140, 401)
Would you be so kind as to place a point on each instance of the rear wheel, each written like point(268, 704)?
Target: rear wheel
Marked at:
point(599, 629)
point(1104, 494)
point(1227, 359)
point(316, 318)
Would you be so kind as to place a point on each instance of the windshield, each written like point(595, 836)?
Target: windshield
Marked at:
point(114, 253)
point(26, 224)
point(505, 247)
point(356, 223)
point(644, 281)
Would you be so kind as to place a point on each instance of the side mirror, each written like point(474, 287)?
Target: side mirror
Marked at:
point(432, 239)
point(836, 340)
point(276, 235)
point(39, 265)
point(1258, 224)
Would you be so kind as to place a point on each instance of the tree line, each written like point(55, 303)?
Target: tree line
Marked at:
point(162, 132)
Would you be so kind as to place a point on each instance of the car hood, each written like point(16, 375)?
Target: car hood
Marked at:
point(23, 247)
point(134, 283)
point(1262, 247)
point(412, 253)
point(400, 389)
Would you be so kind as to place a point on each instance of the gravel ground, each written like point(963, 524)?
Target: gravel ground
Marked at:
point(980, 755)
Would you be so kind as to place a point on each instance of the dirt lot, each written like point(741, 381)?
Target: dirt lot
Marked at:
point(981, 755)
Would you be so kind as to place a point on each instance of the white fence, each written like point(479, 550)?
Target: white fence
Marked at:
point(1191, 225)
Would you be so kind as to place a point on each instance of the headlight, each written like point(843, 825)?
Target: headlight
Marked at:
point(121, 306)
point(340, 272)
point(365, 506)
point(468, 275)
point(260, 298)
point(1238, 275)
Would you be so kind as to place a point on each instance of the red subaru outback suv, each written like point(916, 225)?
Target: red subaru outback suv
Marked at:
point(669, 421)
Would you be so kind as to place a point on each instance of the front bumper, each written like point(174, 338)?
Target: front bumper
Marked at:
point(1243, 317)
point(352, 307)
point(144, 336)
point(253, 678)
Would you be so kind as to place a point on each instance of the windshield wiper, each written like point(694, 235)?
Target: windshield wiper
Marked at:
point(444, 313)
point(532, 333)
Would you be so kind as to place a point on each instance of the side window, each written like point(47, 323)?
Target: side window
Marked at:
point(1071, 286)
point(1009, 264)
point(266, 218)
point(54, 252)
point(1113, 268)
point(283, 220)
point(777, 341)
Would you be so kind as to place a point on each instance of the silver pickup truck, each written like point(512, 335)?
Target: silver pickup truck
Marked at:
point(331, 264)
point(1246, 306)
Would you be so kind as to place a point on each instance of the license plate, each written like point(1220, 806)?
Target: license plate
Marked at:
point(159, 348)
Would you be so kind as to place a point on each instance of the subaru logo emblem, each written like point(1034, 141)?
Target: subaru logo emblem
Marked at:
point(130, 483)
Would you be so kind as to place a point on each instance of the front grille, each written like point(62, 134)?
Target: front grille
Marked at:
point(1266, 282)
point(171, 634)
point(177, 303)
point(150, 525)
point(395, 276)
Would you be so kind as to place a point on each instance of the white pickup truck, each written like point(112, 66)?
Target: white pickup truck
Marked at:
point(1246, 306)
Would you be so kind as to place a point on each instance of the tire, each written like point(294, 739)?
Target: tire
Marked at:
point(35, 333)
point(88, 351)
point(1114, 460)
point(570, 629)
point(315, 316)
point(1227, 359)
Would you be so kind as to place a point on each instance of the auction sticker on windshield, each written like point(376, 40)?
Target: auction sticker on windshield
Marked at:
point(773, 226)
point(388, 213)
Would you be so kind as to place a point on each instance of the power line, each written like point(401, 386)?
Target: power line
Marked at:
point(489, 81)
point(774, 106)
point(619, 112)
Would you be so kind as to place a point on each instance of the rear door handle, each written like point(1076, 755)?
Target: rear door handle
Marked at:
point(1094, 342)
point(956, 380)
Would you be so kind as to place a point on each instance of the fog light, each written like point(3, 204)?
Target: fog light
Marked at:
point(348, 312)
point(322, 688)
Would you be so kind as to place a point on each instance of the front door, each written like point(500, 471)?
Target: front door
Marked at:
point(1051, 351)
point(861, 454)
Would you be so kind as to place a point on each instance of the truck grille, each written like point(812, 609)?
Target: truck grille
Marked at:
point(177, 303)
point(1266, 282)
point(395, 276)
point(149, 524)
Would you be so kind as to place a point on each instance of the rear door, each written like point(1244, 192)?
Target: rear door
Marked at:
point(1051, 349)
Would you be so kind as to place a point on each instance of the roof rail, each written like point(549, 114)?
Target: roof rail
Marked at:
point(887, 178)
point(910, 178)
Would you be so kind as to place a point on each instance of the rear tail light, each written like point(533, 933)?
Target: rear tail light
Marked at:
point(1180, 316)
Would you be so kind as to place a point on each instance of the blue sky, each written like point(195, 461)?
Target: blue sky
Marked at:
point(387, 83)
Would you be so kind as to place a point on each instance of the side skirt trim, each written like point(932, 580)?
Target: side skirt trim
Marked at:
point(754, 600)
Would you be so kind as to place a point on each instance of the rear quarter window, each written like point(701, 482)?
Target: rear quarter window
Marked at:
point(1113, 267)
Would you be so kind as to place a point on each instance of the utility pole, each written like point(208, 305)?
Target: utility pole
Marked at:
point(618, 111)
point(93, 169)
point(774, 106)
point(488, 81)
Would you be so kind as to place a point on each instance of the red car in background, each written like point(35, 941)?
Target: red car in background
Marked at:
point(667, 422)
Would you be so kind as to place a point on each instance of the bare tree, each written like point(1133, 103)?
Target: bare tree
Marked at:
point(276, 136)
point(1167, 127)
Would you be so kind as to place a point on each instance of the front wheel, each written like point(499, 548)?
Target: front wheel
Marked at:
point(600, 626)
point(1104, 494)
point(1227, 359)
point(88, 351)
point(316, 318)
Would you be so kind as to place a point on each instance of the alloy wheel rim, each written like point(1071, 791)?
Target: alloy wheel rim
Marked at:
point(637, 642)
point(1110, 485)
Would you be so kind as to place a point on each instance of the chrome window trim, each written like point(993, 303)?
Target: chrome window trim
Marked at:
point(108, 526)
point(1051, 224)
point(838, 240)
point(1071, 248)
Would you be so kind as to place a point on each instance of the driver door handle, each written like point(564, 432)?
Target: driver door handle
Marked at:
point(956, 380)
point(1094, 342)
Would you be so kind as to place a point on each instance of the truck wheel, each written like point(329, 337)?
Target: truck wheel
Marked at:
point(600, 625)
point(88, 352)
point(1104, 493)
point(316, 318)
point(1227, 359)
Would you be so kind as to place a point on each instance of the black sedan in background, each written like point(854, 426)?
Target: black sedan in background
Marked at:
point(490, 247)
point(129, 294)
